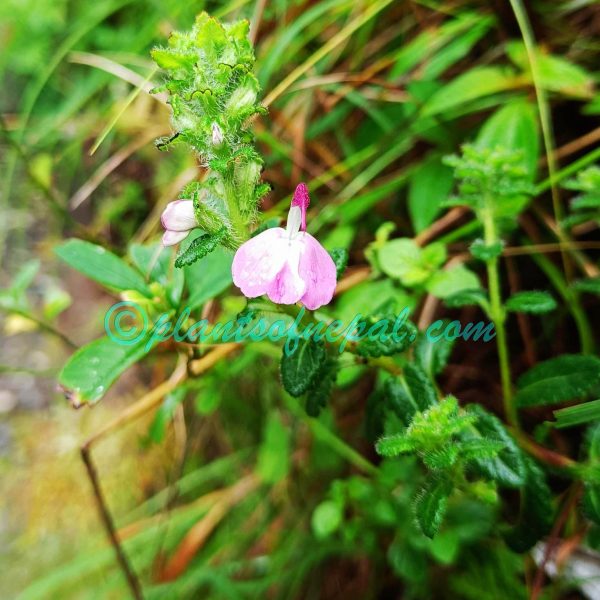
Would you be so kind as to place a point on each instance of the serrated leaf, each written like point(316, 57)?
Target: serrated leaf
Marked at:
point(514, 127)
point(537, 512)
point(398, 398)
point(168, 59)
point(340, 258)
point(557, 380)
point(299, 370)
point(320, 390)
point(102, 266)
point(200, 247)
point(507, 468)
point(420, 386)
point(430, 505)
point(393, 445)
point(531, 302)
point(466, 298)
point(442, 459)
point(376, 345)
point(474, 448)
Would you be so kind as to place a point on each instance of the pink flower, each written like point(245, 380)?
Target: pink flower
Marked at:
point(178, 219)
point(288, 265)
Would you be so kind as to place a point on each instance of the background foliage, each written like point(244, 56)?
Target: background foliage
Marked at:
point(450, 151)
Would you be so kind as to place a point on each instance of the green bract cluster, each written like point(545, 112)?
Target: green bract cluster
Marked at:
point(213, 94)
point(494, 180)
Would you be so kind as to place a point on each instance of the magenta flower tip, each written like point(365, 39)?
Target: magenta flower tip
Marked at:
point(301, 199)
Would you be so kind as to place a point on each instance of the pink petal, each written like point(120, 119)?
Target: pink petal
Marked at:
point(170, 238)
point(318, 271)
point(258, 261)
point(179, 216)
point(288, 286)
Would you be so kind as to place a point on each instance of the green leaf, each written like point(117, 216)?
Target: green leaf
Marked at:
point(274, 455)
point(591, 503)
point(557, 380)
point(420, 386)
point(378, 346)
point(340, 258)
point(578, 414)
point(327, 518)
point(200, 247)
point(24, 277)
point(556, 73)
point(514, 127)
point(441, 459)
point(429, 185)
point(472, 85)
point(531, 302)
point(432, 357)
point(393, 445)
point(404, 260)
point(299, 369)
point(482, 449)
point(507, 468)
point(91, 370)
point(537, 512)
point(102, 266)
point(430, 505)
point(154, 263)
point(168, 59)
point(397, 397)
point(164, 415)
point(209, 277)
point(484, 252)
point(466, 298)
point(592, 285)
point(591, 495)
point(450, 282)
point(320, 389)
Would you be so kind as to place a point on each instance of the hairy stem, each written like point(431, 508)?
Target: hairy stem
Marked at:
point(498, 316)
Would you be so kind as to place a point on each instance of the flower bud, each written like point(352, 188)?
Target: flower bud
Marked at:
point(217, 135)
point(178, 219)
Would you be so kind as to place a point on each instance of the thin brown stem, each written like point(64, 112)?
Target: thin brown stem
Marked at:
point(132, 580)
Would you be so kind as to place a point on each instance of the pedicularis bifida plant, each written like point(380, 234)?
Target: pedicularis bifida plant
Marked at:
point(441, 478)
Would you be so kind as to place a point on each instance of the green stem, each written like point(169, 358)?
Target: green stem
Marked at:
point(328, 437)
point(584, 328)
point(238, 224)
point(498, 316)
